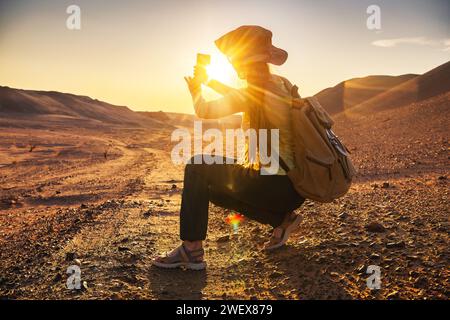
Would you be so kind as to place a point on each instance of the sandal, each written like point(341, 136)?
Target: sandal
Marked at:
point(276, 242)
point(182, 257)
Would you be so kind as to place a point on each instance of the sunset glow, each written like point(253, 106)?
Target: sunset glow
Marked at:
point(137, 53)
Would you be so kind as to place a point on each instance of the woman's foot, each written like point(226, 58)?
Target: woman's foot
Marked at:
point(182, 256)
point(281, 234)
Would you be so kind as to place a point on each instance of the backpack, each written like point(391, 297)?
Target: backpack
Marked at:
point(323, 170)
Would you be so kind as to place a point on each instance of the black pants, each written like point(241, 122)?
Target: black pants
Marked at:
point(266, 199)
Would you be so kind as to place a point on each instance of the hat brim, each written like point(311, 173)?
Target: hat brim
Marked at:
point(277, 56)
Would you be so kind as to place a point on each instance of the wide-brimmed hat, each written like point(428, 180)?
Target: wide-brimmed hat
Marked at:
point(251, 43)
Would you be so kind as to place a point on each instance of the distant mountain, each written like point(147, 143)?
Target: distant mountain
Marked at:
point(29, 103)
point(158, 115)
point(360, 95)
point(430, 84)
point(376, 93)
point(187, 120)
point(350, 93)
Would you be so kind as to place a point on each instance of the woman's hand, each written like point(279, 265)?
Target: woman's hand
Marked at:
point(193, 84)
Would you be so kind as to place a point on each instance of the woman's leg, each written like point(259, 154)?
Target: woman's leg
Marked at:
point(266, 199)
point(198, 179)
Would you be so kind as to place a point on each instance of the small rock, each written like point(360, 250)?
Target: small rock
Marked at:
point(343, 215)
point(89, 214)
point(147, 213)
point(442, 178)
point(361, 269)
point(123, 249)
point(395, 245)
point(77, 262)
point(421, 282)
point(393, 295)
point(334, 274)
point(224, 238)
point(374, 256)
point(375, 227)
point(275, 274)
point(70, 256)
point(57, 278)
point(385, 185)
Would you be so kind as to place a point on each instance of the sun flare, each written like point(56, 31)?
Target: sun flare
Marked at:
point(220, 69)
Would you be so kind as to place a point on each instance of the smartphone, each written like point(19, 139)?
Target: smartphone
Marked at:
point(203, 59)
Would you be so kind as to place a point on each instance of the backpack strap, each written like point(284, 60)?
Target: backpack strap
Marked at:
point(283, 164)
point(292, 89)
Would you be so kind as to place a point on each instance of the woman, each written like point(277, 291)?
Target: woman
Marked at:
point(265, 103)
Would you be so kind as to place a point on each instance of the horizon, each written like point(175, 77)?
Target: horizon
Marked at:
point(136, 55)
point(192, 111)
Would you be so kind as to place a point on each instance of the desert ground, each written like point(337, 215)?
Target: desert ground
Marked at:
point(108, 200)
point(79, 185)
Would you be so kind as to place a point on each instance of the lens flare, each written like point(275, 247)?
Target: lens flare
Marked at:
point(220, 69)
point(234, 219)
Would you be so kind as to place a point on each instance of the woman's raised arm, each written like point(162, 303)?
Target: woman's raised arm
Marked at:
point(233, 102)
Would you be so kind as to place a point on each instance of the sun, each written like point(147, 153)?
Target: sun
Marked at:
point(220, 69)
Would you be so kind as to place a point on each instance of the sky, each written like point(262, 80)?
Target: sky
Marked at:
point(136, 52)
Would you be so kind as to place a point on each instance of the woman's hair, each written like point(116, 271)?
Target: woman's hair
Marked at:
point(258, 75)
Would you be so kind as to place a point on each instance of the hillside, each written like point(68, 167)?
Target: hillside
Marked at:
point(187, 120)
point(28, 104)
point(427, 85)
point(407, 139)
point(380, 92)
point(158, 115)
point(350, 93)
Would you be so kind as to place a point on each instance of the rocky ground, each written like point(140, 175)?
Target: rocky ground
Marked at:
point(67, 203)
